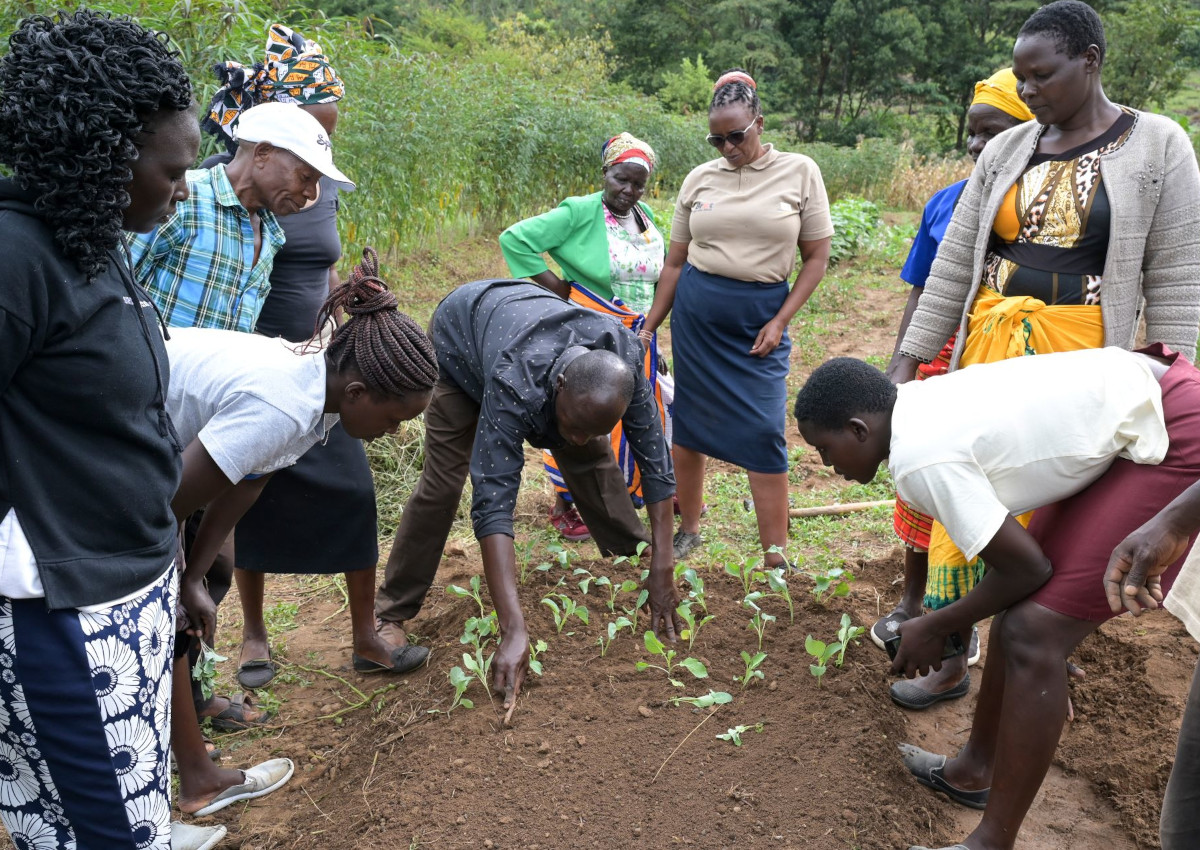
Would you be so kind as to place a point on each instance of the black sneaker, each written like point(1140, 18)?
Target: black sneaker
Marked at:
point(684, 543)
point(885, 628)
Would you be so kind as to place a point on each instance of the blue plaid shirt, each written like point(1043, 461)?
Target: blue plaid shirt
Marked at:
point(199, 266)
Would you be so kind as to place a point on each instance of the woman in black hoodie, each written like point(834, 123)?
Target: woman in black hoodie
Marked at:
point(97, 130)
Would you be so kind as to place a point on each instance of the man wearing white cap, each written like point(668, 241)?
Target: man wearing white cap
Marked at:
point(209, 264)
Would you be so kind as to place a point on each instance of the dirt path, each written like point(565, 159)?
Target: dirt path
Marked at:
point(598, 757)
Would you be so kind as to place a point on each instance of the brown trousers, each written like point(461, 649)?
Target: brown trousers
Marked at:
point(590, 472)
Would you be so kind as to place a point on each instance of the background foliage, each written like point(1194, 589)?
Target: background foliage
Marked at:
point(465, 115)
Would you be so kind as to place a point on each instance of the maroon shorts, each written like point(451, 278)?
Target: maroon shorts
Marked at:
point(1078, 535)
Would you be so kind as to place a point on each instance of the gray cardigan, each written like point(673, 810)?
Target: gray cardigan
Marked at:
point(1153, 186)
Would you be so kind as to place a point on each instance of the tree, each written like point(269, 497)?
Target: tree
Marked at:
point(1146, 60)
point(689, 89)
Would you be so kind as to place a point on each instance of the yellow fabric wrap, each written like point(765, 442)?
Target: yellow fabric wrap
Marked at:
point(1000, 90)
point(999, 328)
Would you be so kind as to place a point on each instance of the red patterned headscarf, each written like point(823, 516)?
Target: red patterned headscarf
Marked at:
point(626, 148)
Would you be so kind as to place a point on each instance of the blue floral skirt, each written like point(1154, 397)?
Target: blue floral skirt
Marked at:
point(85, 722)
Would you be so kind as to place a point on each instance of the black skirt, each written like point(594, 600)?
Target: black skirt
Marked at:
point(316, 517)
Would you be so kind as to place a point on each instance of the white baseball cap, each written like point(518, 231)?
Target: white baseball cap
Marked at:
point(287, 126)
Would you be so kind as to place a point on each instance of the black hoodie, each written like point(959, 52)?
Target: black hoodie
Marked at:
point(88, 458)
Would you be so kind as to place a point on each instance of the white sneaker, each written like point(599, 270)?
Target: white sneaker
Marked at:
point(259, 781)
point(187, 837)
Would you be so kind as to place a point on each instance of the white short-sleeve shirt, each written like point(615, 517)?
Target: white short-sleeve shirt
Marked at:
point(254, 402)
point(975, 446)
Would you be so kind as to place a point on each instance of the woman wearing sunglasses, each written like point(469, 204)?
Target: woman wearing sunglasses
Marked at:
point(738, 221)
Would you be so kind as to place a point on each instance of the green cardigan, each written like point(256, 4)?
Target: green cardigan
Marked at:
point(573, 234)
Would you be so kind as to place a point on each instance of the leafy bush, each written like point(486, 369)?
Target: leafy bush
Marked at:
point(854, 222)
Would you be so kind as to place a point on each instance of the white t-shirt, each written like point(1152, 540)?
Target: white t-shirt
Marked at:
point(1184, 599)
point(972, 447)
point(254, 403)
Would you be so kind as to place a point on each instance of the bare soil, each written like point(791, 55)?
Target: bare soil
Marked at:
point(597, 757)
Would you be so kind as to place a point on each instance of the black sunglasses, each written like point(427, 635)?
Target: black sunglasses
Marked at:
point(735, 138)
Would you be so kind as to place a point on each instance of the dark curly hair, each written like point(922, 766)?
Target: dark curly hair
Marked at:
point(841, 389)
point(1072, 25)
point(388, 349)
point(75, 93)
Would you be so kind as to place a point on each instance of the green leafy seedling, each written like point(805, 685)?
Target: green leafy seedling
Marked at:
point(752, 662)
point(461, 681)
point(563, 609)
point(610, 634)
point(627, 586)
point(777, 581)
point(635, 560)
point(474, 593)
point(632, 613)
point(205, 669)
point(707, 701)
point(695, 588)
point(747, 573)
point(588, 579)
point(822, 652)
point(693, 625)
point(734, 733)
point(655, 647)
point(561, 555)
point(535, 663)
point(524, 550)
point(760, 619)
point(833, 582)
point(846, 633)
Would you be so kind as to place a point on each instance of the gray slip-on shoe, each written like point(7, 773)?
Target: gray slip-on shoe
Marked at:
point(260, 780)
point(908, 695)
point(187, 837)
point(927, 767)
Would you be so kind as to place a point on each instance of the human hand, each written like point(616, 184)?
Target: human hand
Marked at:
point(200, 610)
point(511, 664)
point(902, 369)
point(768, 338)
point(664, 597)
point(921, 647)
point(1132, 579)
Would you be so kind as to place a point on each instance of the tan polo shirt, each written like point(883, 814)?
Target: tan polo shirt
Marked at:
point(744, 223)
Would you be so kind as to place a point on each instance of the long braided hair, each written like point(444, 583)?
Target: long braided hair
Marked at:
point(75, 94)
point(388, 349)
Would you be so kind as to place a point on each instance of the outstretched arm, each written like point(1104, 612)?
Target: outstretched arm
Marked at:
point(511, 662)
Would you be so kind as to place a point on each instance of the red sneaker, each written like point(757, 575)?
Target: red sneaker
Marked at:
point(570, 524)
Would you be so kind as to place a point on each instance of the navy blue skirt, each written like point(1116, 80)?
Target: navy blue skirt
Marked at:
point(729, 404)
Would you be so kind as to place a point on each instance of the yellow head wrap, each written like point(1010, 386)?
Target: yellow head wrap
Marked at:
point(1000, 90)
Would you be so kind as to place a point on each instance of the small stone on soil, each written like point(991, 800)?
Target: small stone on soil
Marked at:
point(645, 712)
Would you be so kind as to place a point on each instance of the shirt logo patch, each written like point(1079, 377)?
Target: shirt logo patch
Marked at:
point(702, 206)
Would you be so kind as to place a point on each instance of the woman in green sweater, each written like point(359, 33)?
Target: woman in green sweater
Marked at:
point(611, 255)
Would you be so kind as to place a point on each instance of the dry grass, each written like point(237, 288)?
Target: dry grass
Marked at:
point(915, 180)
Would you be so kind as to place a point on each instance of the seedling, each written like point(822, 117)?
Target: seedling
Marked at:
point(588, 579)
point(752, 662)
point(777, 581)
point(822, 652)
point(561, 555)
point(473, 593)
point(635, 559)
point(524, 551)
point(734, 734)
point(747, 573)
point(848, 632)
point(614, 628)
point(833, 582)
point(205, 669)
point(564, 609)
point(654, 647)
point(693, 624)
point(696, 593)
point(461, 681)
point(707, 701)
point(627, 586)
point(637, 606)
point(761, 619)
point(535, 664)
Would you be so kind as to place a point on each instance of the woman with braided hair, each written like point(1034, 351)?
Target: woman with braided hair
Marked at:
point(246, 405)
